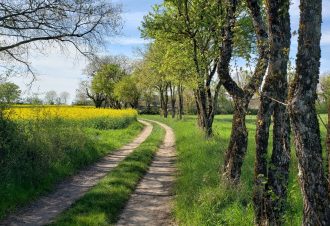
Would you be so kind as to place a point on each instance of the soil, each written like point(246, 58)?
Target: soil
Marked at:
point(151, 202)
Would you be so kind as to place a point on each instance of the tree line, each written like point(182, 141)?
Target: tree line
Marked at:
point(195, 42)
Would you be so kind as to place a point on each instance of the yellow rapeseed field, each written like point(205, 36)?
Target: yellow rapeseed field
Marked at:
point(67, 112)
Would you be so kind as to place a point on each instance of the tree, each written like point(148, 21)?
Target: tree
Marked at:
point(30, 24)
point(9, 92)
point(81, 97)
point(179, 70)
point(151, 74)
point(323, 94)
point(64, 96)
point(103, 83)
point(305, 125)
point(144, 85)
point(271, 176)
point(104, 72)
point(50, 97)
point(242, 96)
point(33, 99)
point(195, 24)
point(325, 88)
point(127, 92)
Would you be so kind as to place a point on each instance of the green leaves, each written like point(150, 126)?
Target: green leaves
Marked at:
point(105, 79)
point(9, 92)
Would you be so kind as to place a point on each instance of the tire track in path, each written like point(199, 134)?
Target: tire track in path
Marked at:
point(46, 208)
point(150, 204)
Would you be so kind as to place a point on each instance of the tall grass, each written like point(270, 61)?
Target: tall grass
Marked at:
point(201, 197)
point(37, 153)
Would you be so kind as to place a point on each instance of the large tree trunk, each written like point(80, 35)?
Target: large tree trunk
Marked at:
point(204, 119)
point(271, 186)
point(237, 144)
point(278, 169)
point(262, 135)
point(304, 117)
point(238, 141)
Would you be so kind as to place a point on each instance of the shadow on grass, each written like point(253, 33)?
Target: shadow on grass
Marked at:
point(102, 204)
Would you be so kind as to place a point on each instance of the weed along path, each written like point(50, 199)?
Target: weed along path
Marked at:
point(150, 204)
point(45, 209)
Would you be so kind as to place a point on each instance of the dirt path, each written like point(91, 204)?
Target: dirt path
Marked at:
point(43, 210)
point(151, 202)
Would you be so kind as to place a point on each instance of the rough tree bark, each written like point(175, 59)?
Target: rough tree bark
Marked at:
point(303, 116)
point(271, 184)
point(242, 96)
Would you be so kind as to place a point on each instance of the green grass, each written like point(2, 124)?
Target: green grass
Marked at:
point(35, 155)
point(201, 196)
point(103, 203)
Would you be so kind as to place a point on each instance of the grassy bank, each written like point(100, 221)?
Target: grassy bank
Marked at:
point(103, 204)
point(36, 153)
point(201, 196)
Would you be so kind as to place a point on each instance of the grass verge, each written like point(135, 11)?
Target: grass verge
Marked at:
point(202, 198)
point(103, 203)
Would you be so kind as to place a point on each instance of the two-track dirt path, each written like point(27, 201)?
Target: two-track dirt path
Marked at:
point(46, 208)
point(150, 204)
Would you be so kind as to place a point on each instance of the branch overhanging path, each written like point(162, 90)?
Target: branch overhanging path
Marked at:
point(150, 204)
point(45, 209)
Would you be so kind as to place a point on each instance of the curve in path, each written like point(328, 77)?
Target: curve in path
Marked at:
point(150, 204)
point(46, 208)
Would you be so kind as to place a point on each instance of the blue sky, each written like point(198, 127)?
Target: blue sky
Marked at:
point(325, 40)
point(63, 71)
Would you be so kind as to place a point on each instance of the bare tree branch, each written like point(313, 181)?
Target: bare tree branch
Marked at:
point(83, 23)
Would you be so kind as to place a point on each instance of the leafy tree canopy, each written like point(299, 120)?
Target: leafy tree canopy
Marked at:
point(9, 92)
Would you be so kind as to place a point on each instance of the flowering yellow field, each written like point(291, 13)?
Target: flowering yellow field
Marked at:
point(67, 112)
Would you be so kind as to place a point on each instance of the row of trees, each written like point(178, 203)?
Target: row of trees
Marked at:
point(194, 44)
point(51, 97)
point(157, 83)
point(10, 93)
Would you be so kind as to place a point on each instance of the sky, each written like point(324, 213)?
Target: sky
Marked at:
point(60, 71)
point(63, 71)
